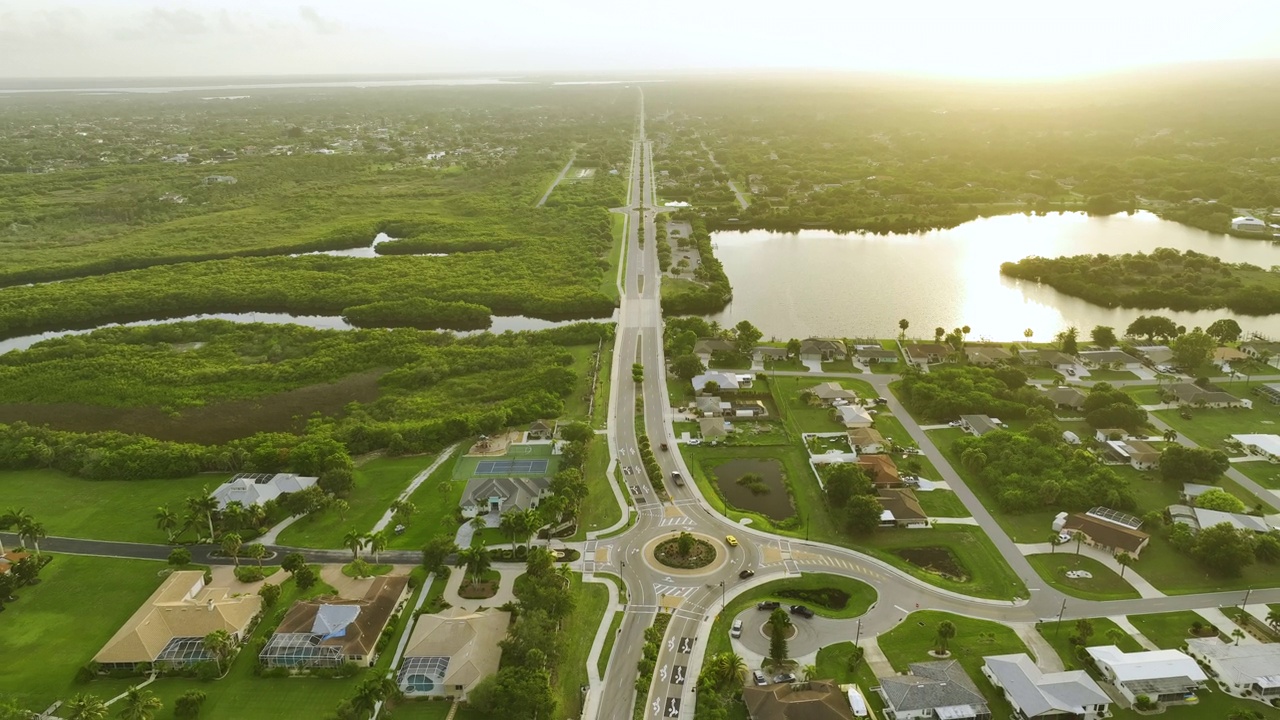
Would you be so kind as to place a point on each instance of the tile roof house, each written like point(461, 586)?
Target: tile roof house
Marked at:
point(1259, 350)
point(257, 488)
point(1227, 355)
point(979, 425)
point(449, 652)
point(1162, 675)
point(704, 348)
point(725, 382)
point(1242, 668)
point(925, 353)
point(824, 350)
point(901, 508)
point(760, 353)
point(1107, 535)
point(854, 416)
point(1053, 358)
point(1036, 694)
point(708, 406)
point(875, 356)
point(329, 631)
point(933, 690)
point(986, 356)
point(1101, 358)
point(500, 494)
point(1063, 396)
point(829, 391)
point(1155, 354)
point(813, 700)
point(170, 626)
point(881, 469)
point(712, 427)
point(1137, 454)
point(866, 440)
point(1191, 394)
point(11, 558)
point(540, 430)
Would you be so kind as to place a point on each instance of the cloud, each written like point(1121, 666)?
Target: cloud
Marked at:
point(317, 23)
point(181, 22)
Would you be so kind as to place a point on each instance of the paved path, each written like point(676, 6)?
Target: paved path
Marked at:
point(874, 657)
point(1047, 658)
point(1139, 583)
point(1123, 623)
point(1226, 625)
point(269, 537)
point(555, 182)
point(417, 481)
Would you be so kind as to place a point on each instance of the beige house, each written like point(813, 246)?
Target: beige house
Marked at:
point(171, 625)
point(449, 652)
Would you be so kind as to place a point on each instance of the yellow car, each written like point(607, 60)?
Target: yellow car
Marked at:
point(733, 541)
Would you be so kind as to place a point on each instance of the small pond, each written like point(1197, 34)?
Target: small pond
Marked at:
point(774, 503)
point(937, 560)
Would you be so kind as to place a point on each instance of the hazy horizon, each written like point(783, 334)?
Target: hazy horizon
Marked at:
point(985, 39)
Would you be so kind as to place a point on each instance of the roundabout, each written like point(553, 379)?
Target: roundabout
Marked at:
point(713, 555)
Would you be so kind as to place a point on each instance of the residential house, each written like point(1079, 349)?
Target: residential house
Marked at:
point(540, 430)
point(1224, 356)
point(763, 352)
point(1263, 351)
point(1137, 454)
point(11, 558)
point(169, 628)
point(1248, 224)
point(724, 382)
point(704, 348)
point(1049, 358)
point(708, 406)
point(1155, 354)
point(497, 495)
point(451, 651)
point(1245, 669)
point(987, 356)
point(877, 356)
point(257, 488)
point(901, 508)
point(713, 428)
point(1268, 446)
point(866, 440)
point(754, 408)
point(812, 700)
point(1192, 394)
point(1037, 694)
point(933, 691)
point(881, 470)
point(327, 632)
point(1107, 535)
point(1103, 435)
point(1191, 491)
point(829, 392)
point(979, 425)
point(1198, 518)
point(926, 353)
point(1270, 391)
point(817, 349)
point(853, 416)
point(1110, 358)
point(1065, 397)
point(1166, 676)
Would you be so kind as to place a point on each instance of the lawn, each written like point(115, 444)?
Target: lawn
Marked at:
point(100, 509)
point(1212, 704)
point(861, 596)
point(589, 606)
point(377, 484)
point(799, 415)
point(614, 624)
point(1210, 426)
point(799, 479)
point(1168, 630)
point(1262, 472)
point(1177, 574)
point(912, 640)
point(436, 509)
point(833, 664)
point(600, 412)
point(1105, 584)
point(942, 503)
point(618, 226)
point(989, 575)
point(840, 366)
point(1143, 394)
point(600, 507)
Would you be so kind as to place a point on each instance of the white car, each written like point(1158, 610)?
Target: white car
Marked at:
point(1064, 538)
point(736, 630)
point(954, 423)
point(694, 441)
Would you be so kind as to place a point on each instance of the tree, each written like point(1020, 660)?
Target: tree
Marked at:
point(1123, 559)
point(1084, 631)
point(12, 518)
point(1103, 336)
point(809, 672)
point(902, 328)
point(1219, 499)
point(402, 510)
point(166, 521)
point(1170, 435)
point(1190, 465)
point(1194, 349)
point(436, 551)
point(202, 506)
point(270, 595)
point(1068, 341)
point(844, 481)
point(1273, 618)
point(779, 625)
point(475, 559)
point(687, 367)
point(187, 706)
point(84, 707)
point(353, 541)
point(1028, 334)
point(746, 336)
point(862, 514)
point(231, 543)
point(793, 347)
point(684, 544)
point(938, 333)
point(180, 557)
point(1224, 331)
point(856, 656)
point(342, 506)
point(257, 551)
point(511, 524)
point(139, 704)
point(1152, 327)
point(1267, 547)
point(1238, 634)
point(33, 531)
point(305, 577)
point(946, 631)
point(1223, 549)
point(377, 542)
point(292, 562)
point(219, 644)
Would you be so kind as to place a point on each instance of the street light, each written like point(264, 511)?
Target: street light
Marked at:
point(1246, 598)
point(858, 637)
point(1058, 626)
point(722, 595)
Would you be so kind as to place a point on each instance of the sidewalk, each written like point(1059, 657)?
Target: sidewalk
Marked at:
point(1225, 625)
point(1139, 583)
point(874, 657)
point(1046, 657)
point(417, 481)
point(1123, 623)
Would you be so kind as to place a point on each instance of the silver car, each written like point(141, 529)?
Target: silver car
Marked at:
point(736, 630)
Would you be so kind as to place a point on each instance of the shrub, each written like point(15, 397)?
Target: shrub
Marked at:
point(249, 574)
point(180, 557)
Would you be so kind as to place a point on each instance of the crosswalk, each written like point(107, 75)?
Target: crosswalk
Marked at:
point(672, 521)
point(674, 590)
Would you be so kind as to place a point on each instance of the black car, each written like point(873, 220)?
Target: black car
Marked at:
point(802, 611)
point(747, 573)
point(768, 605)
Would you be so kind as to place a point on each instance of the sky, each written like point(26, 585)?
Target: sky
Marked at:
point(980, 39)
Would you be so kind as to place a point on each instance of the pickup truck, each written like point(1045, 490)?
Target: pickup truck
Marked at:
point(676, 478)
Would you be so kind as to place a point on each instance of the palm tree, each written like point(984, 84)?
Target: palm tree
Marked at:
point(139, 705)
point(809, 672)
point(510, 525)
point(1116, 635)
point(342, 506)
point(1053, 541)
point(402, 510)
point(532, 521)
point(732, 668)
point(1028, 333)
point(1238, 634)
point(231, 543)
point(378, 542)
point(479, 523)
point(1170, 435)
point(33, 531)
point(84, 707)
point(1124, 559)
point(219, 644)
point(353, 541)
point(946, 631)
point(166, 521)
point(1273, 619)
point(203, 506)
point(257, 551)
point(13, 518)
point(475, 559)
point(856, 656)
point(902, 328)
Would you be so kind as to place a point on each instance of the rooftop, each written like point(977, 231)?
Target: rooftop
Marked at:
point(813, 700)
point(354, 625)
point(257, 488)
point(932, 686)
point(1147, 665)
point(465, 641)
point(1107, 533)
point(1038, 693)
point(1257, 662)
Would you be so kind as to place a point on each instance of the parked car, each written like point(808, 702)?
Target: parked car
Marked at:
point(1071, 372)
point(954, 423)
point(784, 678)
point(694, 441)
point(747, 573)
point(759, 678)
point(802, 611)
point(882, 401)
point(768, 605)
point(1064, 538)
point(736, 630)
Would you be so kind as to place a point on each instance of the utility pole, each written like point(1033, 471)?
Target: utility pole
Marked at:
point(1246, 598)
point(1058, 627)
point(622, 574)
point(858, 636)
point(722, 595)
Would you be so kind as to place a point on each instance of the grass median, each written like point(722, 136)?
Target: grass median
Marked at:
point(788, 591)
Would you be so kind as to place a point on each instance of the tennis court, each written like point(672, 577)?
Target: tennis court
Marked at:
point(511, 467)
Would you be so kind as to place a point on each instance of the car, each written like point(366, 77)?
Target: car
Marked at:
point(736, 630)
point(802, 611)
point(1184, 414)
point(759, 678)
point(694, 441)
point(882, 401)
point(954, 423)
point(1064, 538)
point(784, 678)
point(1071, 372)
point(733, 541)
point(747, 573)
point(768, 605)
point(663, 446)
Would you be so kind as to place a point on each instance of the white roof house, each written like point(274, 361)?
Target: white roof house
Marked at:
point(1268, 445)
point(1240, 521)
point(257, 488)
point(725, 381)
point(1248, 223)
point(1254, 668)
point(1040, 694)
point(854, 416)
point(1161, 675)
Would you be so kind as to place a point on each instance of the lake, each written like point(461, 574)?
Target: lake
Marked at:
point(774, 504)
point(827, 284)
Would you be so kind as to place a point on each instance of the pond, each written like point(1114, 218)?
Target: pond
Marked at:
point(774, 503)
point(827, 284)
point(938, 560)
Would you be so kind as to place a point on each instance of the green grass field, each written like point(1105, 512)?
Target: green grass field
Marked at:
point(618, 227)
point(436, 509)
point(614, 624)
point(942, 503)
point(833, 664)
point(1105, 584)
point(798, 414)
point(100, 509)
point(1059, 636)
point(1210, 426)
point(377, 484)
point(591, 600)
point(600, 508)
point(1262, 472)
point(861, 596)
point(1168, 630)
point(1177, 574)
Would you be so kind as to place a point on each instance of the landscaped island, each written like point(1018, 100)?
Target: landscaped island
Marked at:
point(1165, 278)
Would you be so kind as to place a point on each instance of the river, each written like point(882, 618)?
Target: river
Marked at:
point(827, 284)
